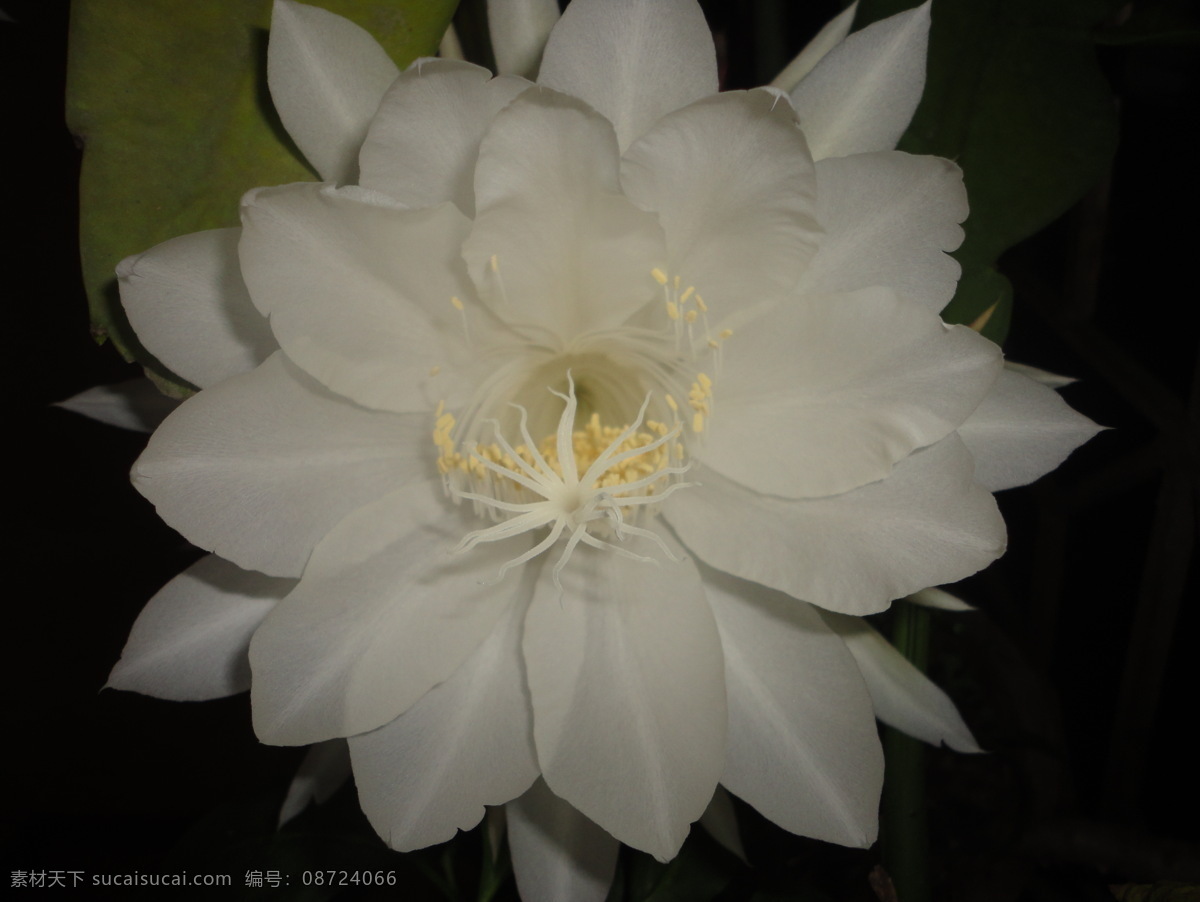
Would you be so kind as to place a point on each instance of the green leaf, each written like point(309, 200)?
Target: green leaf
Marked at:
point(170, 103)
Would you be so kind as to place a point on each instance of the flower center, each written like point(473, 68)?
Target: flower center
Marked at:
point(592, 484)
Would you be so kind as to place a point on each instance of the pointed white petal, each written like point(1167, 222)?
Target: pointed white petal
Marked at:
point(359, 292)
point(928, 523)
point(1021, 431)
point(326, 77)
point(557, 853)
point(519, 29)
point(135, 405)
point(467, 743)
point(186, 301)
point(571, 255)
point(720, 820)
point(802, 743)
point(423, 144)
point(888, 217)
point(814, 51)
point(732, 182)
point(904, 697)
point(384, 613)
point(259, 467)
point(825, 394)
point(940, 600)
point(863, 94)
point(632, 60)
point(1039, 375)
point(629, 702)
point(326, 766)
point(190, 641)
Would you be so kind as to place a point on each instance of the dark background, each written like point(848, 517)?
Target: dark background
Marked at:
point(1080, 674)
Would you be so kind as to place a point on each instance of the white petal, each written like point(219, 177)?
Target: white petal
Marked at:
point(629, 702)
point(190, 641)
point(927, 523)
point(554, 244)
point(385, 612)
point(888, 217)
point(802, 743)
point(135, 405)
point(326, 766)
point(825, 394)
point(557, 853)
point(814, 51)
point(259, 467)
point(720, 820)
point(632, 60)
point(939, 600)
point(1039, 375)
point(904, 697)
point(1021, 432)
point(863, 94)
point(423, 144)
point(519, 29)
point(359, 292)
point(732, 182)
point(467, 743)
point(186, 301)
point(326, 77)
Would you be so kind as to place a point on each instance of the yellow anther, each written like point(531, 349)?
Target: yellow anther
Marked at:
point(678, 281)
point(434, 370)
point(494, 261)
point(713, 343)
point(705, 382)
point(672, 310)
point(672, 404)
point(458, 305)
point(697, 422)
point(690, 316)
point(725, 333)
point(691, 289)
point(700, 303)
point(659, 276)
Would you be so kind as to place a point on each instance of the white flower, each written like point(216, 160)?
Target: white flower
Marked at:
point(552, 432)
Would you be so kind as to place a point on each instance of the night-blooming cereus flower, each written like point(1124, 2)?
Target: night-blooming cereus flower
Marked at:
point(550, 450)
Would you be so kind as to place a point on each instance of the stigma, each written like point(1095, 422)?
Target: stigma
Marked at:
point(592, 485)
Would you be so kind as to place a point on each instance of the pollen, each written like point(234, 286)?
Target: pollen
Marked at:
point(591, 485)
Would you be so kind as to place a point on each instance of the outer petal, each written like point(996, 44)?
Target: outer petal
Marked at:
point(1021, 432)
point(802, 743)
point(554, 243)
point(467, 743)
point(383, 614)
point(888, 217)
point(135, 405)
point(557, 853)
point(326, 77)
point(190, 641)
point(825, 394)
point(927, 523)
point(633, 60)
point(732, 182)
point(326, 766)
point(261, 466)
point(863, 94)
point(519, 29)
point(423, 144)
point(186, 301)
point(359, 292)
point(629, 702)
point(904, 697)
point(826, 39)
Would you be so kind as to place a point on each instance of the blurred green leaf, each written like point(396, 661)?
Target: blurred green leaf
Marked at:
point(700, 871)
point(1015, 96)
point(170, 103)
